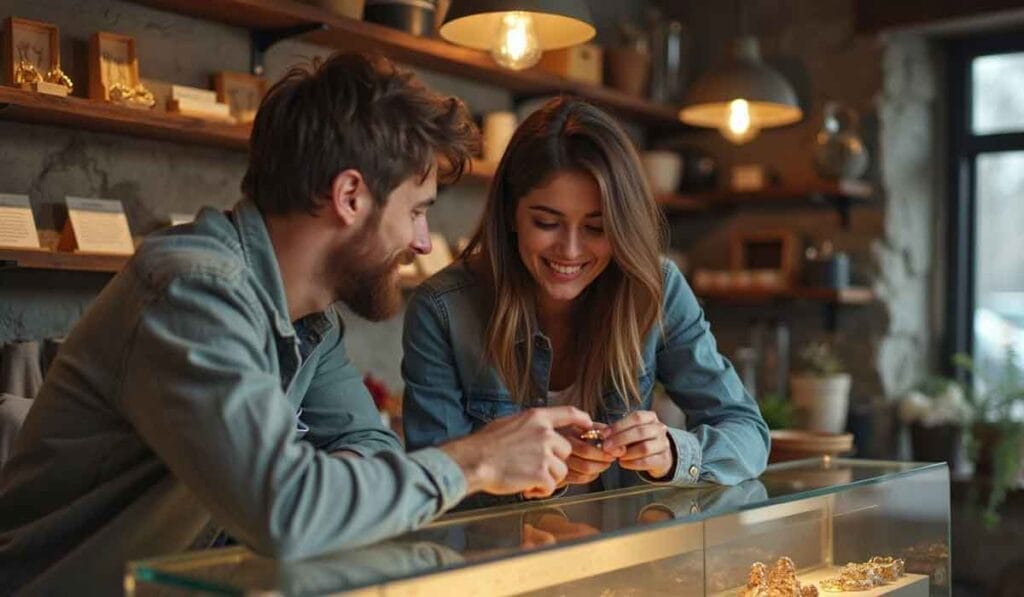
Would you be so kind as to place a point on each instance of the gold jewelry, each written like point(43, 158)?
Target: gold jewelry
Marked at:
point(26, 73)
point(119, 92)
point(139, 95)
point(592, 437)
point(56, 75)
point(877, 571)
point(780, 581)
point(143, 96)
point(888, 567)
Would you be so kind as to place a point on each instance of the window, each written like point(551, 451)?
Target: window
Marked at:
point(986, 232)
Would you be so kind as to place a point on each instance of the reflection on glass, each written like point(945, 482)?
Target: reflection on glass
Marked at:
point(997, 81)
point(642, 540)
point(999, 282)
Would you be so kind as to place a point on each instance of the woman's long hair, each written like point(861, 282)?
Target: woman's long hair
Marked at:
point(623, 303)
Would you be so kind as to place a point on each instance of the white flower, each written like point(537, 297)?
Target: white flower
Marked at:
point(914, 407)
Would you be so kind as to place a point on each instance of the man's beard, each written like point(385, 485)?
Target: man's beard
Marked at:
point(369, 285)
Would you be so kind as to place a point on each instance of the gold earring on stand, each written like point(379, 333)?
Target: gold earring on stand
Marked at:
point(57, 76)
point(26, 74)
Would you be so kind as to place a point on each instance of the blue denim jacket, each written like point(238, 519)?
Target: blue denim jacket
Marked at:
point(185, 400)
point(450, 390)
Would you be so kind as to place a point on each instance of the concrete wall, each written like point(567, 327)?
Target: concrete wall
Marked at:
point(156, 178)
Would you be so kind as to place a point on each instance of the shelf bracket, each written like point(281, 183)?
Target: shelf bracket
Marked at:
point(840, 203)
point(262, 39)
point(843, 207)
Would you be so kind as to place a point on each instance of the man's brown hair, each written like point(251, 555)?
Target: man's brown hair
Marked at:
point(352, 111)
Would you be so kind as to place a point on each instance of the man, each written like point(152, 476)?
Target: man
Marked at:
point(208, 389)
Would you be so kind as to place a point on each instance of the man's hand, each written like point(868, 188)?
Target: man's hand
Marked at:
point(521, 453)
point(645, 439)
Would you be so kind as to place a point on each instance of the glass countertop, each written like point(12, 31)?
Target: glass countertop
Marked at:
point(471, 538)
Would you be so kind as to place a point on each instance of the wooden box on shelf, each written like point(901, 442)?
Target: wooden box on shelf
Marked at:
point(767, 250)
point(583, 63)
point(36, 46)
point(242, 92)
point(114, 71)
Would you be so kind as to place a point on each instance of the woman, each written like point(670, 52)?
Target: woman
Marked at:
point(562, 297)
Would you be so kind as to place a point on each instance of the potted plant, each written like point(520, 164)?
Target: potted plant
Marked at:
point(997, 446)
point(936, 411)
point(820, 391)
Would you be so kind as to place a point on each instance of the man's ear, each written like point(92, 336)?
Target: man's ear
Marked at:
point(350, 199)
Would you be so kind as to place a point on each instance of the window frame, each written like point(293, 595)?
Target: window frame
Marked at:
point(964, 148)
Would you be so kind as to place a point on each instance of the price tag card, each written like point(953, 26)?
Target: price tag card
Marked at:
point(17, 226)
point(97, 226)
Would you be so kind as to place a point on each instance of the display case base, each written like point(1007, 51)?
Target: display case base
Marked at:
point(909, 585)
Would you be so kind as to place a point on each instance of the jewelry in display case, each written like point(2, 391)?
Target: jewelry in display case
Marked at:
point(779, 581)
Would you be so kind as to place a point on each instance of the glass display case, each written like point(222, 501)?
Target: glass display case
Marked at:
point(823, 525)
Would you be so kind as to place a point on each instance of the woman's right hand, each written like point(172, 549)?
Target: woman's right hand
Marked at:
point(586, 461)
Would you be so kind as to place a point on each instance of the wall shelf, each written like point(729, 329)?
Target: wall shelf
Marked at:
point(838, 194)
point(341, 33)
point(854, 295)
point(42, 259)
point(82, 113)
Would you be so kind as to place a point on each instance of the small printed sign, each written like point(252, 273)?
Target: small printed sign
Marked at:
point(17, 226)
point(97, 226)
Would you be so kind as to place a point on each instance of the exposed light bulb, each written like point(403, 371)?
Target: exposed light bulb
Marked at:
point(739, 129)
point(516, 45)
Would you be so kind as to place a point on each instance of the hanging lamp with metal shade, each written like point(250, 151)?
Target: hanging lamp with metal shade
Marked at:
point(743, 97)
point(516, 32)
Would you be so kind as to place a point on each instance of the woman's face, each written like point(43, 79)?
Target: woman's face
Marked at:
point(562, 241)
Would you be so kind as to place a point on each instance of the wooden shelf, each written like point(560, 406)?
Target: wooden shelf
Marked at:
point(54, 260)
point(853, 295)
point(343, 33)
point(82, 113)
point(75, 112)
point(823, 191)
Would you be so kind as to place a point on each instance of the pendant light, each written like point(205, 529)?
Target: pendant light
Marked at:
point(743, 97)
point(516, 32)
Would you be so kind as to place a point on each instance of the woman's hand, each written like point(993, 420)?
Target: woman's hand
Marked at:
point(645, 439)
point(586, 461)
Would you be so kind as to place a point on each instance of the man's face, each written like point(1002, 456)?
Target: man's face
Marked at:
point(389, 237)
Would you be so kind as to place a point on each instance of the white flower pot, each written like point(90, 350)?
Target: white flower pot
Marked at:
point(821, 403)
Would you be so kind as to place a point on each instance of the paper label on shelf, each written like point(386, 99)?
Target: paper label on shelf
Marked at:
point(100, 226)
point(17, 226)
point(193, 94)
point(187, 107)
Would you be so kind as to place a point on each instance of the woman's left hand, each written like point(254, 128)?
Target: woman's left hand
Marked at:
point(648, 448)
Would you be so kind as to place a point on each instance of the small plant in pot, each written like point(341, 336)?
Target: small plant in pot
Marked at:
point(820, 391)
point(936, 412)
point(997, 442)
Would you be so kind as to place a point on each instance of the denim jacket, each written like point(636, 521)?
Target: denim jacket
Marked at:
point(184, 401)
point(450, 390)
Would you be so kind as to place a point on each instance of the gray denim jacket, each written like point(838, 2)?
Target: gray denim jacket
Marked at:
point(450, 390)
point(184, 401)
